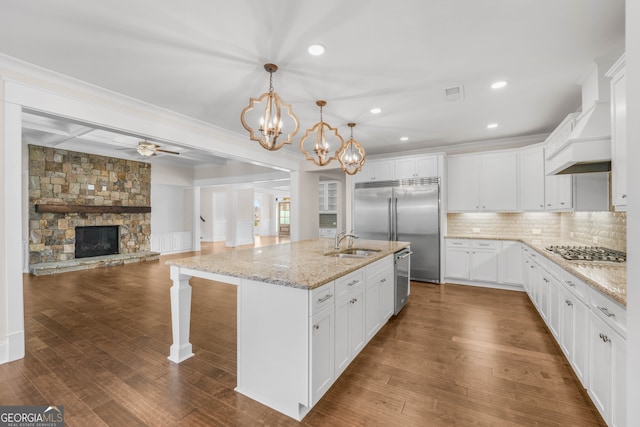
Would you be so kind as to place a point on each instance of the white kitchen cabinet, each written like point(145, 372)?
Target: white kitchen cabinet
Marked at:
point(617, 73)
point(379, 295)
point(484, 261)
point(558, 192)
point(574, 332)
point(179, 241)
point(416, 167)
point(486, 182)
point(328, 196)
point(607, 371)
point(350, 323)
point(472, 260)
point(322, 353)
point(376, 170)
point(531, 179)
point(510, 263)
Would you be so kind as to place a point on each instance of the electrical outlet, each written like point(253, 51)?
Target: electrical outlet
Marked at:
point(536, 231)
point(571, 234)
point(475, 230)
point(90, 187)
point(104, 188)
point(595, 239)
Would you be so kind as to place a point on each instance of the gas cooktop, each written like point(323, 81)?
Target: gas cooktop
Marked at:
point(588, 253)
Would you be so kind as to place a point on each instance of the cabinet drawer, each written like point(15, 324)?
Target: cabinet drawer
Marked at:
point(610, 311)
point(485, 244)
point(576, 286)
point(457, 243)
point(322, 297)
point(350, 282)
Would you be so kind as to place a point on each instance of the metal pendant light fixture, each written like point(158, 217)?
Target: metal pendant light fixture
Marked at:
point(351, 156)
point(271, 125)
point(322, 148)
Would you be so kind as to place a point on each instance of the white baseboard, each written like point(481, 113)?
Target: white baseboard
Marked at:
point(12, 348)
point(491, 285)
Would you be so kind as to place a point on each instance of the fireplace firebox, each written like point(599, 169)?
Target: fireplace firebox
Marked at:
point(97, 240)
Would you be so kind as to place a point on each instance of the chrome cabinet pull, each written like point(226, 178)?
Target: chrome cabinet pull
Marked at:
point(353, 301)
point(355, 282)
point(605, 311)
point(383, 280)
point(569, 303)
point(624, 196)
point(603, 337)
point(326, 297)
point(570, 283)
point(316, 326)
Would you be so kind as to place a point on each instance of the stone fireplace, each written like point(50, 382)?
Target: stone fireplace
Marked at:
point(96, 241)
point(69, 191)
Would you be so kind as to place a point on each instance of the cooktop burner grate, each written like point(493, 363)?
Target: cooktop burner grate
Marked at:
point(588, 253)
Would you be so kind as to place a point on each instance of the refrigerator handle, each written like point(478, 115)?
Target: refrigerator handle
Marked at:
point(395, 219)
point(389, 229)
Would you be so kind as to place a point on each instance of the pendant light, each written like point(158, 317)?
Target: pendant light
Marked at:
point(271, 126)
point(351, 155)
point(321, 149)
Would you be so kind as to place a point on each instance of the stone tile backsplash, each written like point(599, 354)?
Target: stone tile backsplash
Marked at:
point(607, 229)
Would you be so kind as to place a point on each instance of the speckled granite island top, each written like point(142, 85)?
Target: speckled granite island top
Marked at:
point(609, 278)
point(297, 264)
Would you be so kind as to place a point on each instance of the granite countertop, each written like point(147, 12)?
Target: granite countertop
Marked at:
point(609, 278)
point(297, 264)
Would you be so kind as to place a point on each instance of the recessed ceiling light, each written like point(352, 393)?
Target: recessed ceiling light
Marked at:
point(492, 125)
point(376, 110)
point(404, 138)
point(316, 49)
point(498, 85)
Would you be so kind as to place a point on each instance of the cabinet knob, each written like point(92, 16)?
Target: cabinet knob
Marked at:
point(624, 196)
point(569, 303)
point(603, 337)
point(562, 203)
point(316, 327)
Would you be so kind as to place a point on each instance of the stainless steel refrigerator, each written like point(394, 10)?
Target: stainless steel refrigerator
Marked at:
point(404, 210)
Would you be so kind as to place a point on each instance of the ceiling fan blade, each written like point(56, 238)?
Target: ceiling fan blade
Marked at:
point(167, 151)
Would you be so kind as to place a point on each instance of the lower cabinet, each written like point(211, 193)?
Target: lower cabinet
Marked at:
point(350, 334)
point(379, 296)
point(322, 353)
point(574, 332)
point(485, 262)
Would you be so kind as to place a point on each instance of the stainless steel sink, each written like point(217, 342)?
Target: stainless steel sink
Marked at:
point(353, 253)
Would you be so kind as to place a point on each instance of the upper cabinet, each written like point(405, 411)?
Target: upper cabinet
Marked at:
point(531, 179)
point(482, 183)
point(328, 196)
point(416, 167)
point(399, 168)
point(618, 135)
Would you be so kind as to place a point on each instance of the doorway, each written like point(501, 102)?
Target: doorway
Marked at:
point(284, 218)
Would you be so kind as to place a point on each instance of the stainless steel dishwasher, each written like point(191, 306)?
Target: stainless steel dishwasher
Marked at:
point(402, 276)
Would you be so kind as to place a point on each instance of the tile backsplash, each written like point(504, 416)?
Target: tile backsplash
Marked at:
point(607, 229)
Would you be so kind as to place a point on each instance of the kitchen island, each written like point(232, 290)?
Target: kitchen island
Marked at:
point(303, 314)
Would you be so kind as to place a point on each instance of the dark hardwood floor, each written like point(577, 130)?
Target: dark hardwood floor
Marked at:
point(97, 342)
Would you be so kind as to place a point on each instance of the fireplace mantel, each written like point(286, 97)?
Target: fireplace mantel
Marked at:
point(42, 208)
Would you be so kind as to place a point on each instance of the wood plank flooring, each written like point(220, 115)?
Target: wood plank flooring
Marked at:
point(97, 343)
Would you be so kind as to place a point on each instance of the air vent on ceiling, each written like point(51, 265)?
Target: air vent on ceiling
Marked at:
point(454, 93)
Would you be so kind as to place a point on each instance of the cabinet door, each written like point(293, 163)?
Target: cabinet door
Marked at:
point(426, 166)
point(322, 353)
point(559, 192)
point(554, 307)
point(384, 170)
point(463, 191)
point(499, 190)
point(619, 140)
point(322, 197)
point(510, 263)
point(457, 263)
point(405, 168)
point(356, 323)
point(565, 338)
point(531, 174)
point(484, 265)
point(372, 308)
point(386, 297)
point(580, 357)
point(332, 196)
point(600, 366)
point(342, 354)
point(619, 386)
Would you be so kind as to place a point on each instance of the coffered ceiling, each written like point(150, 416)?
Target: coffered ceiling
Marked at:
point(204, 59)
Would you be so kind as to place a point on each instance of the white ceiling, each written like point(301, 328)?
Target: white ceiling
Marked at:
point(204, 59)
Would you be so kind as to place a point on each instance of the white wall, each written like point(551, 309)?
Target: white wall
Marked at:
point(305, 220)
point(171, 208)
point(219, 216)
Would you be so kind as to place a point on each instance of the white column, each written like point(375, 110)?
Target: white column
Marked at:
point(305, 220)
point(12, 345)
point(232, 208)
point(196, 219)
point(181, 348)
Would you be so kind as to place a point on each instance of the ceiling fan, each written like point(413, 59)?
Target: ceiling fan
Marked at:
point(148, 149)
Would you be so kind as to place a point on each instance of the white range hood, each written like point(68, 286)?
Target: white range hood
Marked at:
point(587, 147)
